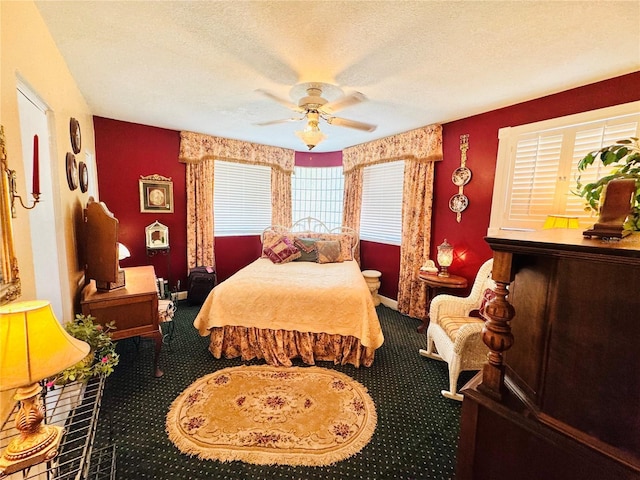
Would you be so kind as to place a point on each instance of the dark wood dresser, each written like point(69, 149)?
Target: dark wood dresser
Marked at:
point(133, 308)
point(560, 396)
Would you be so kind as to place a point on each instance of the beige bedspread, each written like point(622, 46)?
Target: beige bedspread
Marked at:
point(297, 296)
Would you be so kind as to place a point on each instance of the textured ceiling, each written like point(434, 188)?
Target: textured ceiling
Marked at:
point(197, 65)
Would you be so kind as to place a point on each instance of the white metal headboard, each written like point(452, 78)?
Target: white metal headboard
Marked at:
point(311, 224)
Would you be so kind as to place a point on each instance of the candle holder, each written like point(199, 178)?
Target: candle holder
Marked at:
point(11, 174)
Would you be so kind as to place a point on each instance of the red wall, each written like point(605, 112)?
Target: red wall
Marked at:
point(468, 236)
point(124, 151)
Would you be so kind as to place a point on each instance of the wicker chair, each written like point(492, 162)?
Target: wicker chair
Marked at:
point(454, 335)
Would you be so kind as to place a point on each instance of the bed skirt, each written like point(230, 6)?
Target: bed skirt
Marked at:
point(279, 347)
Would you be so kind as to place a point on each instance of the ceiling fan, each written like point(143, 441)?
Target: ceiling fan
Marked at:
point(313, 107)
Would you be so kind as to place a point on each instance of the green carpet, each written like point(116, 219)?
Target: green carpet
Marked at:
point(416, 437)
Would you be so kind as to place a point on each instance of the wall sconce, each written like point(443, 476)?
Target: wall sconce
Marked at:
point(11, 174)
point(311, 135)
point(445, 258)
point(33, 346)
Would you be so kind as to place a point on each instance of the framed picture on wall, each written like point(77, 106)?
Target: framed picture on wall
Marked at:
point(156, 194)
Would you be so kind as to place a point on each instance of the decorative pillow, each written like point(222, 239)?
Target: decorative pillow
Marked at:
point(487, 296)
point(328, 251)
point(307, 247)
point(282, 251)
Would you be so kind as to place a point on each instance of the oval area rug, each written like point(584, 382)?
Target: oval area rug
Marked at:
point(269, 415)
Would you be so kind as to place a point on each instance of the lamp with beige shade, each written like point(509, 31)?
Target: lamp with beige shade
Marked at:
point(33, 347)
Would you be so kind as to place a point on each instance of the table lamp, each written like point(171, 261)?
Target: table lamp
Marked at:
point(33, 346)
point(445, 258)
point(560, 221)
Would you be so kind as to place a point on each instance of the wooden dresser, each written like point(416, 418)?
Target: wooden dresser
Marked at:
point(560, 397)
point(133, 308)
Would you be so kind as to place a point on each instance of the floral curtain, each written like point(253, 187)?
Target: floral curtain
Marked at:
point(419, 148)
point(352, 203)
point(280, 197)
point(422, 144)
point(200, 214)
point(197, 147)
point(416, 236)
point(199, 151)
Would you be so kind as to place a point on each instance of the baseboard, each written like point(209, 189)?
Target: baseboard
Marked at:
point(389, 302)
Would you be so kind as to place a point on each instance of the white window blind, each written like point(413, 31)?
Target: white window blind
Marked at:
point(241, 198)
point(318, 192)
point(538, 165)
point(381, 213)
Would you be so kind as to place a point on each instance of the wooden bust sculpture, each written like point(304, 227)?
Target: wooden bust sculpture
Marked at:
point(616, 206)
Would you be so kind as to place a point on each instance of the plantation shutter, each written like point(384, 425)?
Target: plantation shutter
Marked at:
point(241, 198)
point(535, 175)
point(587, 141)
point(541, 166)
point(381, 212)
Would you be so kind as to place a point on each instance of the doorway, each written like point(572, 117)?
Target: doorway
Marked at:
point(47, 240)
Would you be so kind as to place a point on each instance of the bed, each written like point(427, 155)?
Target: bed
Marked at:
point(314, 310)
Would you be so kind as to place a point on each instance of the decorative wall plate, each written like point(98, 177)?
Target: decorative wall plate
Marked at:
point(72, 171)
point(458, 203)
point(461, 176)
point(74, 132)
point(83, 176)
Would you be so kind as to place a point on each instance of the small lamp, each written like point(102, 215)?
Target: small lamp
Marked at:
point(445, 258)
point(33, 346)
point(560, 221)
point(123, 252)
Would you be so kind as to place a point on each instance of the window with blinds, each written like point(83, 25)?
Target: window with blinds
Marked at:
point(537, 166)
point(381, 214)
point(318, 192)
point(241, 199)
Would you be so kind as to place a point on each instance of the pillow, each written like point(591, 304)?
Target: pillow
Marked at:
point(328, 251)
point(487, 296)
point(282, 251)
point(307, 247)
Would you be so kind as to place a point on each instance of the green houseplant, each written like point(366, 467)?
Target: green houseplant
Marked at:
point(624, 155)
point(102, 357)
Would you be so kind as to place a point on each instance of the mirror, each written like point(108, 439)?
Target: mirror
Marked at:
point(9, 274)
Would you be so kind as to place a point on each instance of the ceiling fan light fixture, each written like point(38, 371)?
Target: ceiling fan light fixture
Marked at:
point(311, 135)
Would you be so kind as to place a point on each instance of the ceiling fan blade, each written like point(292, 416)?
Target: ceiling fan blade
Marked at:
point(343, 102)
point(282, 120)
point(343, 122)
point(281, 101)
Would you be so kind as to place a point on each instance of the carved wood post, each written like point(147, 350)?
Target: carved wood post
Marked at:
point(496, 332)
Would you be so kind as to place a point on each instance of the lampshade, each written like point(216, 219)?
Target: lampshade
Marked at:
point(560, 221)
point(311, 135)
point(445, 257)
point(33, 345)
point(123, 252)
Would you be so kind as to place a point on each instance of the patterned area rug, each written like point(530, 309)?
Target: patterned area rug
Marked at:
point(273, 415)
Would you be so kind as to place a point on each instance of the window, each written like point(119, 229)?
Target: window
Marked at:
point(381, 214)
point(537, 165)
point(241, 198)
point(318, 192)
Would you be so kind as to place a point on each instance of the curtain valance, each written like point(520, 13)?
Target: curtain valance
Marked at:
point(196, 147)
point(422, 144)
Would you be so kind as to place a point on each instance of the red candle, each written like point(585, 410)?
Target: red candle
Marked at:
point(36, 167)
